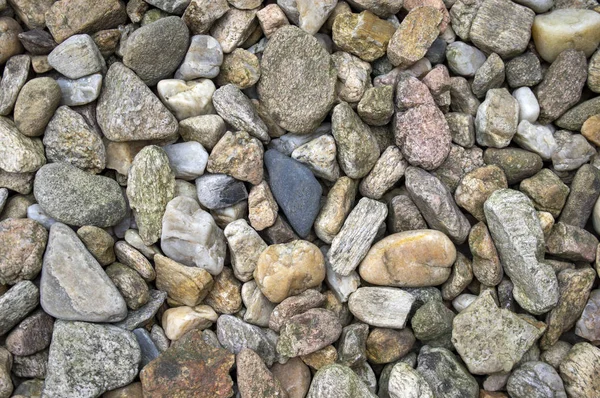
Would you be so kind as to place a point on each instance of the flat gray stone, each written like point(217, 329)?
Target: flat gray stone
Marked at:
point(74, 286)
point(76, 57)
point(143, 316)
point(385, 307)
point(16, 303)
point(338, 381)
point(235, 335)
point(14, 77)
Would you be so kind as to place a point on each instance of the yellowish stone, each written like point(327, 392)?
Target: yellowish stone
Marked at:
point(178, 321)
point(187, 285)
point(591, 129)
point(320, 358)
point(340, 200)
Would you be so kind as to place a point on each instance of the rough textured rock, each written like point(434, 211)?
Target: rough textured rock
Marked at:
point(16, 303)
point(75, 197)
point(235, 335)
point(381, 306)
point(333, 213)
point(516, 163)
point(189, 368)
point(88, 359)
point(254, 378)
point(245, 247)
point(338, 381)
point(297, 84)
point(406, 382)
point(445, 375)
point(308, 332)
point(127, 110)
point(18, 153)
point(73, 285)
point(35, 105)
point(587, 325)
point(585, 189)
point(76, 57)
point(497, 118)
point(477, 186)
point(238, 155)
point(579, 370)
point(515, 228)
point(486, 263)
point(22, 244)
point(535, 379)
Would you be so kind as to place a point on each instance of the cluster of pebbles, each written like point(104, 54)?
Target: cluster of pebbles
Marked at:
point(299, 198)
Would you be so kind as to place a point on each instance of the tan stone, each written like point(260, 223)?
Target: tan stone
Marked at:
point(178, 321)
point(389, 345)
point(288, 269)
point(318, 359)
point(546, 221)
point(40, 64)
point(364, 35)
point(414, 36)
point(98, 242)
point(238, 155)
point(591, 129)
point(409, 259)
point(133, 390)
point(294, 377)
point(187, 285)
point(476, 186)
point(240, 68)
point(132, 258)
point(580, 371)
point(271, 18)
point(409, 5)
point(262, 207)
point(486, 263)
point(226, 294)
point(340, 200)
point(245, 246)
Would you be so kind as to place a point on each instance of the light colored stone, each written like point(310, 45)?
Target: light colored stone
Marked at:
point(76, 57)
point(258, 307)
point(381, 306)
point(338, 204)
point(234, 28)
point(309, 15)
point(238, 155)
point(463, 59)
point(187, 99)
point(180, 320)
point(535, 376)
point(271, 18)
point(415, 35)
point(497, 119)
point(245, 246)
point(225, 296)
point(476, 186)
point(388, 170)
point(536, 138)
point(14, 77)
point(579, 371)
point(529, 109)
point(572, 151)
point(405, 382)
point(80, 91)
point(187, 159)
point(262, 207)
point(237, 110)
point(320, 157)
point(338, 381)
point(588, 324)
point(207, 130)
point(186, 285)
point(353, 76)
point(203, 59)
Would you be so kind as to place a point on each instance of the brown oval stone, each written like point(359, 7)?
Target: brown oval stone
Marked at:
point(22, 244)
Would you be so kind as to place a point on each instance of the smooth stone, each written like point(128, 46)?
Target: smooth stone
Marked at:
point(341, 286)
point(294, 305)
point(518, 237)
point(237, 110)
point(245, 247)
point(216, 191)
point(16, 303)
point(131, 257)
point(564, 29)
point(170, 6)
point(574, 118)
point(180, 320)
point(19, 153)
point(76, 57)
point(187, 99)
point(187, 159)
point(99, 243)
point(71, 272)
point(463, 301)
point(463, 59)
point(404, 215)
point(130, 284)
point(294, 376)
point(445, 374)
point(294, 61)
point(80, 91)
point(143, 316)
point(352, 242)
point(9, 42)
point(529, 109)
point(536, 138)
point(88, 359)
point(579, 370)
point(206, 129)
point(14, 77)
point(186, 285)
point(133, 238)
point(202, 60)
point(127, 110)
point(37, 41)
point(337, 206)
point(516, 163)
point(296, 190)
point(320, 157)
point(414, 36)
point(75, 197)
point(587, 325)
point(381, 306)
point(436, 204)
point(497, 119)
point(460, 278)
point(191, 237)
point(258, 307)
point(155, 50)
point(37, 101)
point(406, 382)
point(572, 151)
point(585, 189)
point(22, 245)
point(506, 337)
point(148, 349)
point(288, 142)
point(308, 332)
point(309, 15)
point(236, 335)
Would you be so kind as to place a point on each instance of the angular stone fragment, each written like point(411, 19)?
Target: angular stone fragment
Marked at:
point(320, 157)
point(459, 279)
point(127, 110)
point(151, 185)
point(180, 320)
point(477, 186)
point(200, 15)
point(80, 91)
point(364, 35)
point(497, 119)
point(308, 332)
point(297, 85)
point(258, 307)
point(572, 151)
point(498, 346)
point(189, 368)
point(16, 303)
point(406, 382)
point(145, 315)
point(385, 307)
point(76, 57)
point(13, 78)
point(238, 155)
point(388, 170)
point(225, 297)
point(579, 370)
point(535, 378)
point(519, 239)
point(245, 246)
point(388, 345)
point(588, 325)
point(502, 27)
point(32, 335)
point(562, 85)
point(235, 335)
point(376, 106)
point(254, 378)
point(186, 285)
point(462, 99)
point(18, 153)
point(75, 197)
point(486, 264)
point(351, 244)
point(436, 204)
point(445, 374)
point(233, 28)
point(270, 19)
point(187, 99)
point(135, 260)
point(262, 207)
point(22, 244)
point(323, 357)
point(585, 190)
point(404, 215)
point(88, 359)
point(338, 381)
point(415, 35)
point(490, 75)
point(130, 284)
point(540, 140)
point(338, 204)
point(524, 71)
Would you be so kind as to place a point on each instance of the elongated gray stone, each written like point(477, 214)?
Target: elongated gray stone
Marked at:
point(338, 381)
point(142, 316)
point(385, 307)
point(74, 286)
point(128, 110)
point(13, 79)
point(519, 239)
point(352, 243)
point(535, 379)
point(16, 303)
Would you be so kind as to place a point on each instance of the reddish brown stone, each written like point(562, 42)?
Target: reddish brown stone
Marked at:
point(254, 379)
point(190, 368)
point(22, 244)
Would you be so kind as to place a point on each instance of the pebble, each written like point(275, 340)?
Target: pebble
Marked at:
point(25, 154)
point(524, 71)
point(22, 244)
point(376, 107)
point(254, 378)
point(529, 109)
point(579, 369)
point(287, 143)
point(415, 35)
point(35, 105)
point(364, 34)
point(143, 316)
point(462, 98)
point(32, 335)
point(99, 243)
point(151, 185)
point(477, 186)
point(196, 366)
point(187, 99)
point(506, 336)
point(445, 375)
point(486, 264)
point(353, 76)
point(339, 381)
point(294, 305)
point(388, 345)
point(75, 197)
point(459, 279)
point(187, 159)
point(9, 41)
point(585, 190)
point(133, 238)
point(295, 188)
point(381, 306)
point(388, 170)
point(547, 191)
point(587, 325)
point(130, 284)
point(236, 335)
point(237, 110)
point(294, 377)
point(338, 204)
point(572, 151)
point(517, 164)
point(245, 247)
point(238, 155)
point(463, 59)
point(16, 303)
point(76, 57)
point(127, 110)
point(436, 204)
point(490, 75)
point(293, 61)
point(308, 332)
point(403, 214)
point(202, 60)
point(14, 77)
point(509, 214)
point(258, 307)
point(262, 207)
point(88, 359)
point(65, 257)
point(132, 258)
point(37, 41)
point(186, 285)
point(240, 68)
point(180, 320)
point(536, 138)
point(270, 19)
point(149, 352)
point(341, 286)
point(406, 382)
point(205, 129)
point(69, 138)
point(535, 378)
point(462, 128)
point(432, 324)
point(80, 91)
point(234, 28)
point(320, 157)
point(225, 296)
point(309, 15)
point(170, 6)
point(200, 15)
point(217, 191)
point(155, 50)
point(497, 119)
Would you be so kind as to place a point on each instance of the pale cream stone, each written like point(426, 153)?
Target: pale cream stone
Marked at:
point(245, 246)
point(262, 207)
point(338, 204)
point(180, 320)
point(187, 99)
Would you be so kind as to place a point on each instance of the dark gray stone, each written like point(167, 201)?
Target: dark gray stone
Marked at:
point(37, 41)
point(147, 347)
point(516, 163)
point(585, 190)
point(216, 191)
point(33, 334)
point(143, 316)
point(16, 303)
point(437, 52)
point(445, 374)
point(296, 190)
point(31, 366)
point(524, 71)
